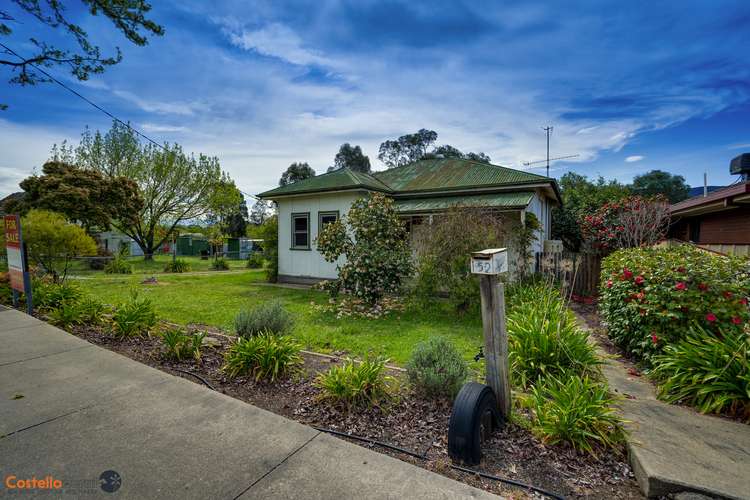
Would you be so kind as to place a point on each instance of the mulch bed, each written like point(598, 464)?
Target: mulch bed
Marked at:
point(409, 422)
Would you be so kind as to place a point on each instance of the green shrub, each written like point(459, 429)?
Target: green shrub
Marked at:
point(98, 262)
point(650, 297)
point(708, 371)
point(269, 231)
point(544, 339)
point(48, 295)
point(135, 317)
point(91, 311)
point(268, 317)
point(65, 315)
point(426, 282)
point(578, 411)
point(437, 368)
point(355, 384)
point(177, 266)
point(263, 356)
point(255, 260)
point(118, 265)
point(180, 345)
point(220, 264)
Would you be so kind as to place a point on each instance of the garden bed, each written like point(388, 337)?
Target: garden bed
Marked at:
point(409, 422)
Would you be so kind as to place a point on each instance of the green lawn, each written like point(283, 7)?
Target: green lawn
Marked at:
point(214, 299)
point(80, 267)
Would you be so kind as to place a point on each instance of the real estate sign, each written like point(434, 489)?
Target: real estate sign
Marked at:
point(15, 252)
point(18, 269)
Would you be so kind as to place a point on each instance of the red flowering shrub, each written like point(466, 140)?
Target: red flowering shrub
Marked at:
point(631, 222)
point(651, 297)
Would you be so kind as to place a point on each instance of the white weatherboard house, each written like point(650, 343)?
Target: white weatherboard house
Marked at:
point(420, 190)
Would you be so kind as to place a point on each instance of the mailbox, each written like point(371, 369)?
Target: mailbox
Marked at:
point(490, 261)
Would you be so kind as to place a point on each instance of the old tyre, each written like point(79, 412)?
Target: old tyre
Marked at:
point(474, 406)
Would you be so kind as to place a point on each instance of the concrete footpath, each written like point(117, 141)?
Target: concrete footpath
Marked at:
point(676, 449)
point(97, 422)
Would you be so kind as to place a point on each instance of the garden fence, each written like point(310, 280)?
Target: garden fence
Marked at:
point(577, 272)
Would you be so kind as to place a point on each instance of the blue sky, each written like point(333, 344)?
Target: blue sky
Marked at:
point(628, 86)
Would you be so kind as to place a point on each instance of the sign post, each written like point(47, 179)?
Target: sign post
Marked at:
point(18, 267)
point(488, 264)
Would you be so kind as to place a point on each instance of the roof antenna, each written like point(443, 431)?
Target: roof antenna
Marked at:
point(548, 129)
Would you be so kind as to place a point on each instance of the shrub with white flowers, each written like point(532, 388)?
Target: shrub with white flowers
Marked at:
point(373, 241)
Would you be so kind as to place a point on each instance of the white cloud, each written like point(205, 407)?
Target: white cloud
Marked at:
point(175, 108)
point(739, 146)
point(634, 158)
point(155, 127)
point(277, 40)
point(25, 149)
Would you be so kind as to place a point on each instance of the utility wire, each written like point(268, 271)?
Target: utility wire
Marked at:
point(89, 101)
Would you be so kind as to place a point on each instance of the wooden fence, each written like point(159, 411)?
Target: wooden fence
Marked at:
point(577, 272)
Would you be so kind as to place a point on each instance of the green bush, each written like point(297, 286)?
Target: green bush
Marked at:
point(118, 265)
point(355, 384)
point(269, 231)
point(65, 315)
point(426, 282)
point(650, 297)
point(708, 371)
point(437, 368)
point(268, 317)
point(263, 356)
point(255, 260)
point(135, 317)
point(544, 339)
point(48, 295)
point(577, 411)
point(180, 345)
point(220, 264)
point(177, 266)
point(91, 311)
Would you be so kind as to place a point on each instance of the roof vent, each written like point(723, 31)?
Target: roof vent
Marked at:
point(740, 166)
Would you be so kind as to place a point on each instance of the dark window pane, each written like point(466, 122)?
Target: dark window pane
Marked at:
point(327, 219)
point(300, 223)
point(300, 239)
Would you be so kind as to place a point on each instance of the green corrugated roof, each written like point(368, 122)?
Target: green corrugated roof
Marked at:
point(452, 173)
point(500, 200)
point(423, 175)
point(343, 178)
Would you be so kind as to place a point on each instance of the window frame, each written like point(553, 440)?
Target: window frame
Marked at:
point(294, 217)
point(324, 213)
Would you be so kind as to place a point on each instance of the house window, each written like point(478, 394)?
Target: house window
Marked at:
point(301, 231)
point(325, 218)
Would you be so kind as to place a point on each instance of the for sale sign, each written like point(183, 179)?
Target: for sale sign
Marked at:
point(13, 246)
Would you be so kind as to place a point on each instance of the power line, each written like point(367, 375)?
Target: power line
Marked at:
point(76, 93)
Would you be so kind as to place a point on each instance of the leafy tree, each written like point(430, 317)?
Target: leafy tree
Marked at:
point(127, 16)
point(373, 240)
point(52, 242)
point(261, 211)
point(296, 172)
point(352, 157)
point(237, 221)
point(83, 196)
point(175, 187)
point(407, 148)
point(581, 197)
point(658, 182)
point(448, 151)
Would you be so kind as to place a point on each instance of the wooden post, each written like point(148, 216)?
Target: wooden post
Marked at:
point(497, 371)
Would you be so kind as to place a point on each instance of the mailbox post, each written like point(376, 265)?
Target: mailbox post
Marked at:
point(488, 264)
